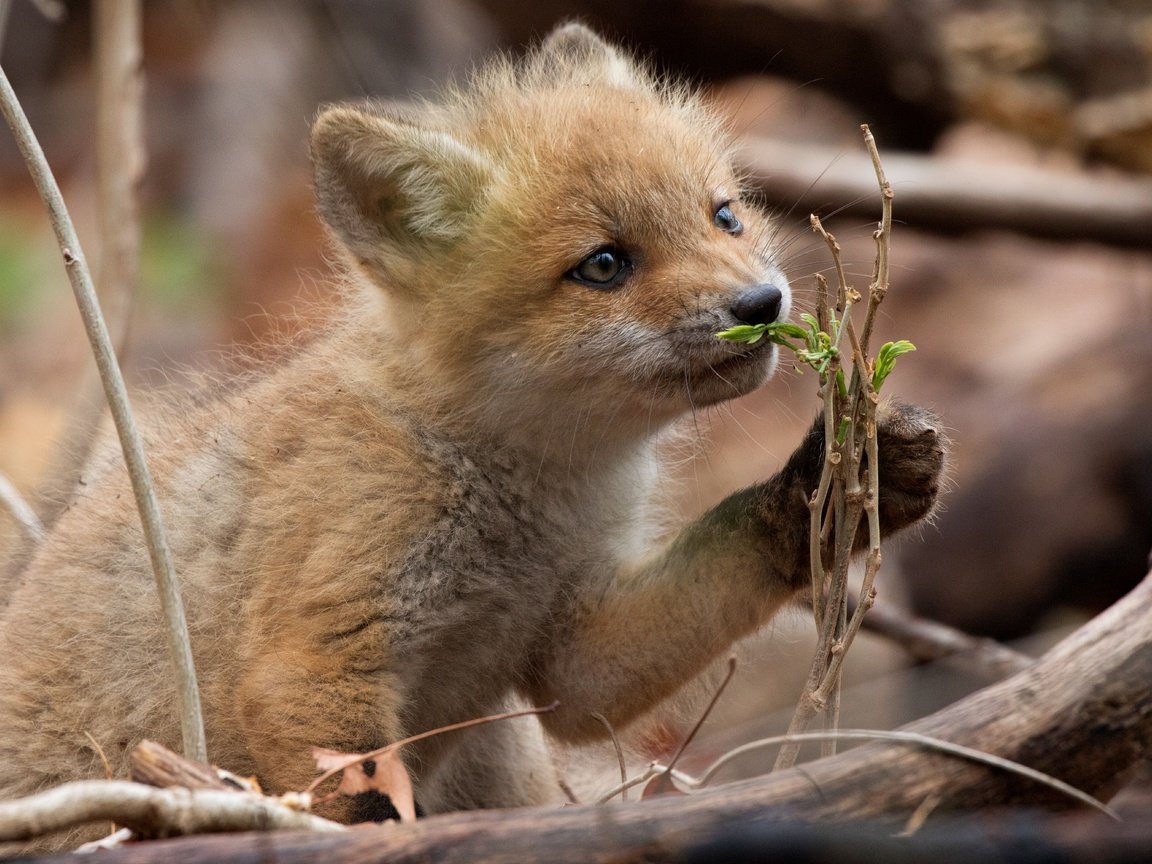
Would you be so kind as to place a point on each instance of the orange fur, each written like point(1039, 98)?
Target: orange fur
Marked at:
point(438, 506)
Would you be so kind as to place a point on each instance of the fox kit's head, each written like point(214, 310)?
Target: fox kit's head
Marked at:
point(559, 242)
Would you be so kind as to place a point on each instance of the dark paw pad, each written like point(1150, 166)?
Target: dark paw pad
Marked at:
point(913, 452)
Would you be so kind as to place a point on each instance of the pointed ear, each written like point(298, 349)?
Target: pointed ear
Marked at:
point(572, 48)
point(390, 188)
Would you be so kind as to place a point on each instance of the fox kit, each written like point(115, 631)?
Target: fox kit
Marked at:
point(437, 508)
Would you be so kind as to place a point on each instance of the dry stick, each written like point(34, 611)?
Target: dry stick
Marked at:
point(354, 758)
point(150, 811)
point(187, 693)
point(24, 515)
point(831, 483)
point(688, 739)
point(930, 641)
point(120, 161)
point(603, 721)
point(668, 772)
point(835, 629)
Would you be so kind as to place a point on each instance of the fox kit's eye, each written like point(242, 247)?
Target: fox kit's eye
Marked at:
point(604, 268)
point(726, 220)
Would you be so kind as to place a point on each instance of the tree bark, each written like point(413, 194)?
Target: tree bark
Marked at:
point(1081, 713)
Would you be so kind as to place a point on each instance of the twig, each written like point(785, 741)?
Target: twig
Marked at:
point(150, 812)
point(703, 715)
point(24, 515)
point(396, 745)
point(155, 765)
point(920, 815)
point(928, 641)
point(840, 500)
point(654, 769)
point(187, 693)
point(914, 738)
point(668, 772)
point(120, 161)
point(883, 234)
point(600, 718)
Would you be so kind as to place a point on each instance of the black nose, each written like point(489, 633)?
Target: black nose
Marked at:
point(758, 305)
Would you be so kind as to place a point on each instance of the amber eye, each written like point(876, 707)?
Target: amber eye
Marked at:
point(726, 220)
point(604, 268)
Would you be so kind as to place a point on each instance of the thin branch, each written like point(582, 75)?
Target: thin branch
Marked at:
point(703, 715)
point(187, 693)
point(353, 759)
point(120, 162)
point(929, 641)
point(601, 719)
point(25, 516)
point(883, 234)
point(853, 417)
point(151, 812)
point(654, 769)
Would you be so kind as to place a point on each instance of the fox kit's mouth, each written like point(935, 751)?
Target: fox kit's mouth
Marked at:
point(735, 372)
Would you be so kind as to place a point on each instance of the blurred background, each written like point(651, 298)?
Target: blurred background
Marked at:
point(1017, 135)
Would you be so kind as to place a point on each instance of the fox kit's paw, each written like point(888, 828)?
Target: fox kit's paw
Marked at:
point(913, 451)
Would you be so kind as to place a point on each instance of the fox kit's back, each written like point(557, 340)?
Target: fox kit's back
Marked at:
point(438, 507)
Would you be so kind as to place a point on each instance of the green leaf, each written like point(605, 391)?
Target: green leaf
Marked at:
point(749, 333)
point(886, 360)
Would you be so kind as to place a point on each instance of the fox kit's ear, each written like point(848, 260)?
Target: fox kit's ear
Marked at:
point(573, 48)
point(389, 187)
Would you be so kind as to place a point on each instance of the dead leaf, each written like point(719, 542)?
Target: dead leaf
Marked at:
point(661, 784)
point(384, 774)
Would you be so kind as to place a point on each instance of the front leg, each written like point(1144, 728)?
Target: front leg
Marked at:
point(294, 698)
point(637, 636)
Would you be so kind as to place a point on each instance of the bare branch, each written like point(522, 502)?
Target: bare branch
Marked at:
point(930, 640)
point(120, 161)
point(25, 516)
point(603, 721)
point(188, 695)
point(149, 811)
point(356, 758)
point(156, 765)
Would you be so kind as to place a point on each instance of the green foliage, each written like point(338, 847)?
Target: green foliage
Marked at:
point(813, 345)
point(177, 271)
point(815, 348)
point(886, 360)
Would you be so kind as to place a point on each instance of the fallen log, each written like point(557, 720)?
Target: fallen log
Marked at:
point(954, 196)
point(1081, 713)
